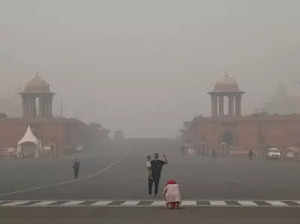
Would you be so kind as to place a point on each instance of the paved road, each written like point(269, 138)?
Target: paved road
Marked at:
point(199, 178)
point(103, 178)
point(149, 216)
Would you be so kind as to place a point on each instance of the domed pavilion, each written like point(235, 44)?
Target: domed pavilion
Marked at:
point(227, 130)
point(37, 99)
point(56, 134)
point(228, 88)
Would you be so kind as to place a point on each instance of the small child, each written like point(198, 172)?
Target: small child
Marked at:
point(172, 194)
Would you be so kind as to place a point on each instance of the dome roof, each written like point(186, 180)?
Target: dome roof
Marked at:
point(227, 84)
point(37, 85)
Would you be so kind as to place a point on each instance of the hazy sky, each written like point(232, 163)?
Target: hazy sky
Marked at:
point(146, 66)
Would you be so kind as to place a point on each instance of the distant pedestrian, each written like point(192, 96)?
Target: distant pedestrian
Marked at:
point(251, 154)
point(156, 166)
point(76, 168)
point(172, 194)
point(149, 174)
point(214, 154)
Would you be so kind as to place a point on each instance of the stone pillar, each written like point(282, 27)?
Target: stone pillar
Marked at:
point(238, 105)
point(230, 105)
point(33, 106)
point(45, 106)
point(25, 107)
point(221, 105)
point(214, 106)
point(41, 107)
point(46, 114)
point(50, 106)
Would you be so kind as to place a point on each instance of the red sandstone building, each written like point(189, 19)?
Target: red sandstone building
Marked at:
point(63, 133)
point(227, 125)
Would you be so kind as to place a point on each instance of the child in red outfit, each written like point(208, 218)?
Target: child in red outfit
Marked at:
point(172, 194)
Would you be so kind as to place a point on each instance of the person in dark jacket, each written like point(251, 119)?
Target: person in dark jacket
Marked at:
point(76, 167)
point(156, 166)
point(251, 154)
point(149, 174)
point(214, 154)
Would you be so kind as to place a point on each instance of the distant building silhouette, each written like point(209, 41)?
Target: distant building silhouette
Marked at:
point(227, 125)
point(63, 134)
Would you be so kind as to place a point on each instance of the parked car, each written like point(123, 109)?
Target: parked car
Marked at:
point(273, 153)
point(292, 153)
point(188, 149)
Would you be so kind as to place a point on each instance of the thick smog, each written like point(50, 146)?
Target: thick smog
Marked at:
point(154, 112)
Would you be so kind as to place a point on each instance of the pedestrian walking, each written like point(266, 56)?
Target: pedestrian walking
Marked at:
point(214, 154)
point(156, 167)
point(149, 174)
point(172, 194)
point(76, 168)
point(251, 154)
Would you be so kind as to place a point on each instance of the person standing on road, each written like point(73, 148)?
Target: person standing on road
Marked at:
point(214, 154)
point(156, 167)
point(149, 174)
point(251, 154)
point(76, 168)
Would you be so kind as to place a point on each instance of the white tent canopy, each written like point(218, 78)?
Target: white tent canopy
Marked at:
point(29, 137)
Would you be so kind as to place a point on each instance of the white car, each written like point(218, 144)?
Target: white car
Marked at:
point(273, 153)
point(290, 155)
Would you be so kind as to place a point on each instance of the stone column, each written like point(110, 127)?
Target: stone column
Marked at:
point(45, 114)
point(25, 106)
point(41, 107)
point(47, 110)
point(230, 105)
point(33, 112)
point(45, 106)
point(214, 105)
point(238, 105)
point(221, 105)
point(50, 105)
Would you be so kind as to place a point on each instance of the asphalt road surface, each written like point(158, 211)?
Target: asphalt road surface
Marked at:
point(124, 176)
point(119, 174)
point(149, 216)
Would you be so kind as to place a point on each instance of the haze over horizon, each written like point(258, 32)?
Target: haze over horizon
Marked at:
point(146, 66)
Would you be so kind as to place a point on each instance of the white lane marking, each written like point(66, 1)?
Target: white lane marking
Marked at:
point(43, 204)
point(130, 203)
point(189, 203)
point(71, 203)
point(15, 203)
point(158, 204)
point(101, 203)
point(133, 203)
point(277, 203)
point(32, 189)
point(247, 203)
point(218, 203)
